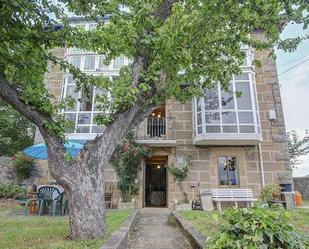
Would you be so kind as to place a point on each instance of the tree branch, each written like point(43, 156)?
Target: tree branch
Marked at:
point(11, 95)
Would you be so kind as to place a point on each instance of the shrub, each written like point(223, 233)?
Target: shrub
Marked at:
point(23, 165)
point(127, 160)
point(11, 190)
point(264, 228)
point(269, 192)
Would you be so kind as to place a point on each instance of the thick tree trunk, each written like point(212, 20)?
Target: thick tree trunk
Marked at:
point(87, 208)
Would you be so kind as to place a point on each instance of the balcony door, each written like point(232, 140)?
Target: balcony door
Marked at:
point(156, 182)
point(156, 123)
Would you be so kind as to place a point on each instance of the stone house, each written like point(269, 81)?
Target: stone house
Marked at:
point(225, 141)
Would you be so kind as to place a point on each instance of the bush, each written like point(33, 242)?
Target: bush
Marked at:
point(23, 165)
point(264, 228)
point(269, 192)
point(11, 190)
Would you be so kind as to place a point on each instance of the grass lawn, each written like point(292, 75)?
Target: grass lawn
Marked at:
point(207, 222)
point(46, 233)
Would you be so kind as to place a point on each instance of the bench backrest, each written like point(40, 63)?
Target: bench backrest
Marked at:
point(232, 193)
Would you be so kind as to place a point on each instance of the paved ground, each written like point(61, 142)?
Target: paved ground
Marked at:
point(153, 231)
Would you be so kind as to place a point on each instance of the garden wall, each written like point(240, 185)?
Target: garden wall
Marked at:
point(301, 184)
point(7, 173)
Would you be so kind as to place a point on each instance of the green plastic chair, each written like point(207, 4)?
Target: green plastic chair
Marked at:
point(25, 200)
point(49, 196)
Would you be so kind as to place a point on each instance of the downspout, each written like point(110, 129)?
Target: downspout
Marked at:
point(261, 164)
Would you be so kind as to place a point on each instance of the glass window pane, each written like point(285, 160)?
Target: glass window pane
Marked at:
point(223, 174)
point(71, 117)
point(228, 117)
point(198, 104)
point(199, 130)
point(227, 99)
point(102, 66)
point(213, 129)
point(83, 129)
point(97, 129)
point(199, 118)
point(70, 80)
point(89, 62)
point(232, 171)
point(118, 62)
point(86, 101)
point(245, 117)
point(246, 129)
point(211, 99)
point(243, 76)
point(212, 118)
point(75, 61)
point(70, 92)
point(84, 118)
point(229, 128)
point(244, 101)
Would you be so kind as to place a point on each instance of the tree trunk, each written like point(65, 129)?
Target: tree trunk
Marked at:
point(87, 209)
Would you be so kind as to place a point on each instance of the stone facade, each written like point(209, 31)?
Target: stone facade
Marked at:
point(203, 160)
point(7, 173)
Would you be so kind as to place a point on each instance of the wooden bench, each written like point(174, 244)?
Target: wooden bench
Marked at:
point(232, 195)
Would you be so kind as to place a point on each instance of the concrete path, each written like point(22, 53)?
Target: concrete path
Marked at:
point(152, 231)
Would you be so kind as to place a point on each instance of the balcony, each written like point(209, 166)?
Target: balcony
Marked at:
point(156, 132)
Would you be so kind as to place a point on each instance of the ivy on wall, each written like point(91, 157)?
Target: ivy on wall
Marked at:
point(127, 160)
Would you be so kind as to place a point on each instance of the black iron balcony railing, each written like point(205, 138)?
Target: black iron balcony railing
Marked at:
point(156, 128)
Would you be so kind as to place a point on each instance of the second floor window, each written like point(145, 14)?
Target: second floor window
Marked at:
point(222, 111)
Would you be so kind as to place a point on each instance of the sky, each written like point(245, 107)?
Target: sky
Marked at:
point(294, 87)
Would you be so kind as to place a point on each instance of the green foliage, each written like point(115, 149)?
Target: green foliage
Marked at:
point(23, 165)
point(178, 173)
point(16, 131)
point(11, 190)
point(269, 192)
point(127, 162)
point(257, 228)
point(297, 147)
point(202, 39)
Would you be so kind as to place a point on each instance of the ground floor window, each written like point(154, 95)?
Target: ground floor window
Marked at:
point(228, 171)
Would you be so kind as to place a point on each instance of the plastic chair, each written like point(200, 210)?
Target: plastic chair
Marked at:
point(51, 196)
point(25, 200)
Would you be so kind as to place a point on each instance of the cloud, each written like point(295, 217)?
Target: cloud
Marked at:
point(295, 100)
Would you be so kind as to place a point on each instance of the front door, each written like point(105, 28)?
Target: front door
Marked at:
point(155, 182)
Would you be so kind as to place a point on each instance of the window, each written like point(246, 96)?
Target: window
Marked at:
point(221, 110)
point(89, 62)
point(75, 61)
point(228, 171)
point(102, 66)
point(118, 62)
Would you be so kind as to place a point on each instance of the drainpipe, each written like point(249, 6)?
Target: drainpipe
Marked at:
point(261, 164)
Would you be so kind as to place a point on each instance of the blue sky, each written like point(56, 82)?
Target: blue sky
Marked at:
point(295, 89)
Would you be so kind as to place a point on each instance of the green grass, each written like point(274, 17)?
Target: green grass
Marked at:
point(34, 232)
point(208, 222)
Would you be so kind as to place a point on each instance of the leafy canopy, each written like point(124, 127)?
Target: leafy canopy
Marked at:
point(201, 39)
point(16, 131)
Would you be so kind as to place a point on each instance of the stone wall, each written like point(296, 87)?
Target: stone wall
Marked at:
point(301, 184)
point(7, 173)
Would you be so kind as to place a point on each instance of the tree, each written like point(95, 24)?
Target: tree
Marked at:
point(171, 43)
point(297, 147)
point(16, 131)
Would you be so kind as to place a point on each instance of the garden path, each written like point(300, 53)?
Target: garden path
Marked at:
point(153, 231)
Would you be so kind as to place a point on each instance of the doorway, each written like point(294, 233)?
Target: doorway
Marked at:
point(156, 182)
